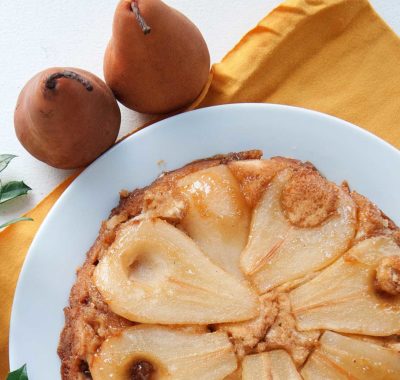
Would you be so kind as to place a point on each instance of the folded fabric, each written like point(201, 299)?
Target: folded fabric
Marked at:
point(334, 56)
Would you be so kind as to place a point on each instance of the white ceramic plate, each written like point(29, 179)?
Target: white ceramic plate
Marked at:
point(339, 149)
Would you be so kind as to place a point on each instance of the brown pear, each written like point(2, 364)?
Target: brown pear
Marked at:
point(66, 117)
point(157, 60)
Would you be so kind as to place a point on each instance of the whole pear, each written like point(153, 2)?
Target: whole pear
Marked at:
point(66, 117)
point(155, 71)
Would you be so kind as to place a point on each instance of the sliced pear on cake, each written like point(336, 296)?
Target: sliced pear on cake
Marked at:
point(301, 224)
point(349, 295)
point(272, 365)
point(341, 357)
point(217, 217)
point(153, 352)
point(155, 273)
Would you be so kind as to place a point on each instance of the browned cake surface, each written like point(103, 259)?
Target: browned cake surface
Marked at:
point(88, 319)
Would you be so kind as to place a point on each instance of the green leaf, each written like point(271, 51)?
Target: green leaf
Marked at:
point(16, 220)
point(19, 374)
point(12, 190)
point(5, 160)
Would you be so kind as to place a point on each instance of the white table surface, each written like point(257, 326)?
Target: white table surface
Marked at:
point(36, 34)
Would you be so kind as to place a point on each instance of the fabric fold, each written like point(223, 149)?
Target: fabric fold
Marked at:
point(334, 56)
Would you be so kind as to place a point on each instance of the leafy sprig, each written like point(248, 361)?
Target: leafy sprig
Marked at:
point(8, 192)
point(12, 189)
point(19, 374)
point(5, 159)
point(16, 220)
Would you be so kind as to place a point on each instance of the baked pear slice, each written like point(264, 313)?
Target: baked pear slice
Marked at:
point(357, 294)
point(217, 216)
point(342, 358)
point(272, 365)
point(154, 273)
point(154, 352)
point(301, 224)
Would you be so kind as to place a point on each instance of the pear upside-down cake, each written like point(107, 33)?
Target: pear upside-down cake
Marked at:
point(236, 267)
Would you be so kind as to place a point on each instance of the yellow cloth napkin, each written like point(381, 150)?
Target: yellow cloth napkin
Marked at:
point(335, 56)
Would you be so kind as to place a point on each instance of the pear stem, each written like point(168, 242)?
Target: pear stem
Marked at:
point(51, 81)
point(142, 23)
